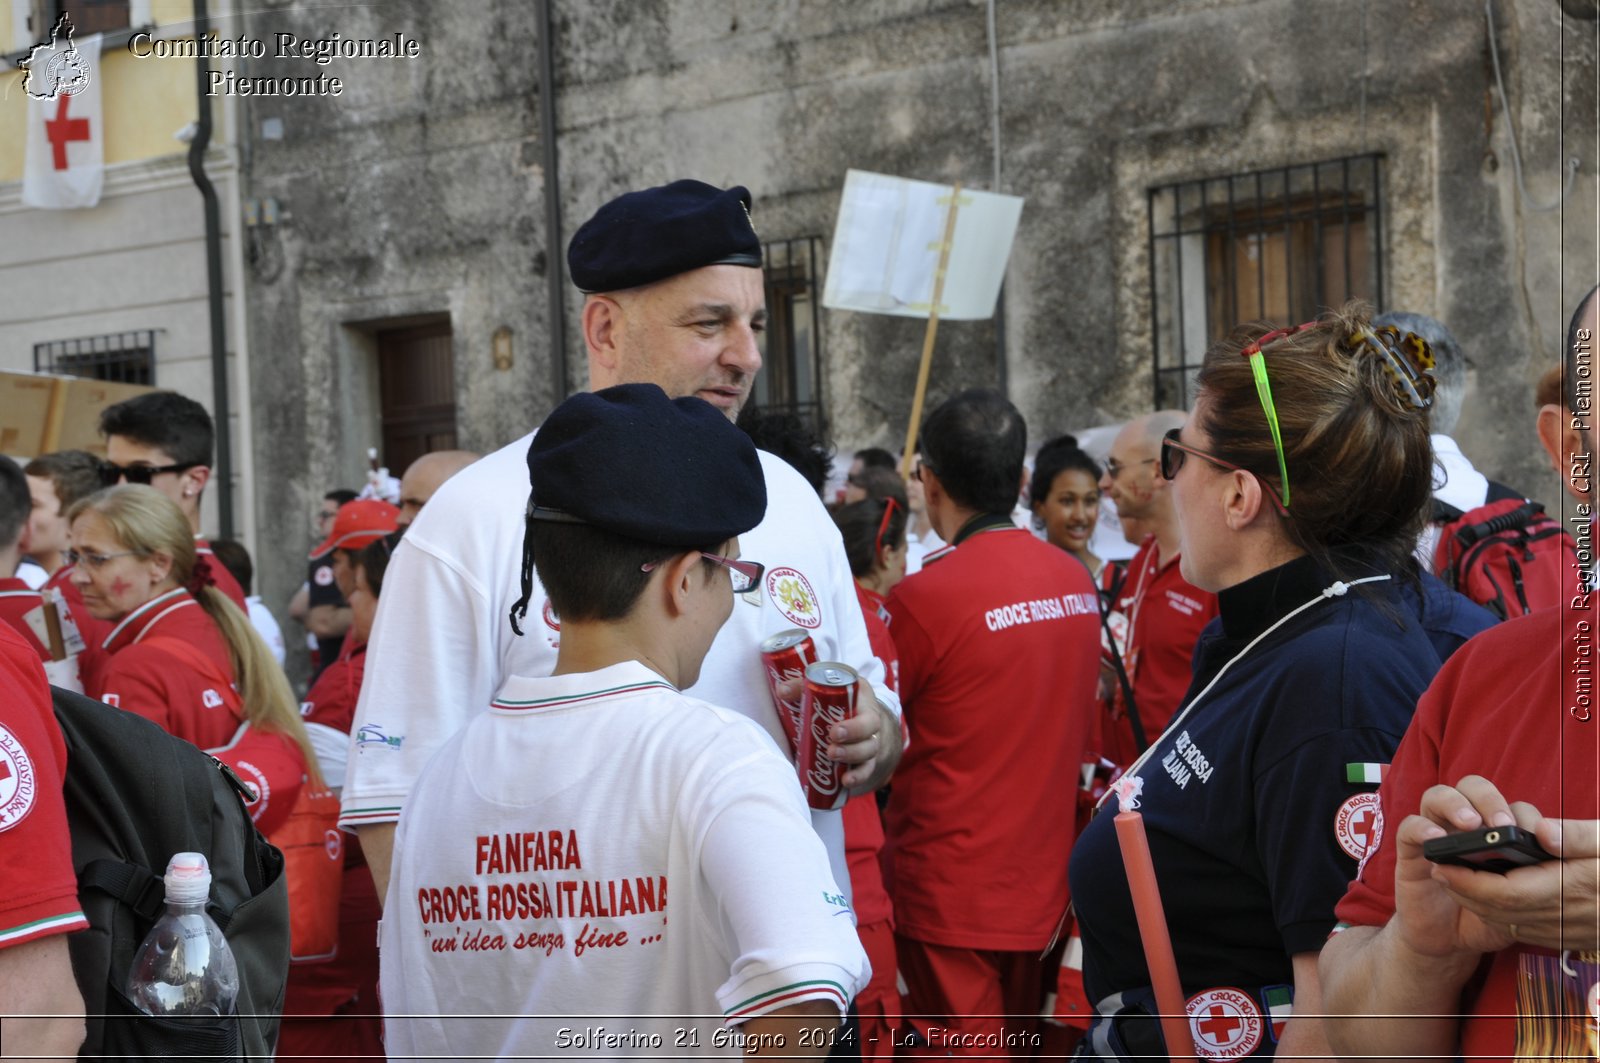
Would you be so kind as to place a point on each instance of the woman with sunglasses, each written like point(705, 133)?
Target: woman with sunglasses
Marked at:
point(874, 532)
point(181, 653)
point(1301, 482)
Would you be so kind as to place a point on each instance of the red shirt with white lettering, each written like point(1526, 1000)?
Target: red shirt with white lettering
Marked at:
point(1166, 614)
point(41, 893)
point(1513, 705)
point(999, 643)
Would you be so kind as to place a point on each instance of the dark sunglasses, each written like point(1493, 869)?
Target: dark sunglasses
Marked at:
point(112, 474)
point(1174, 453)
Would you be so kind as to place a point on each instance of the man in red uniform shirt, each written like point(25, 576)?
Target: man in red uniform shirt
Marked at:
point(999, 642)
point(1440, 961)
point(39, 905)
point(17, 599)
point(165, 439)
point(56, 481)
point(1165, 612)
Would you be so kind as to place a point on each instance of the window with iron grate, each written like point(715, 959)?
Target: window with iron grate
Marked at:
point(1277, 245)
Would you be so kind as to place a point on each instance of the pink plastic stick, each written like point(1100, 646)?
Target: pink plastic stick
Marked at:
point(1153, 932)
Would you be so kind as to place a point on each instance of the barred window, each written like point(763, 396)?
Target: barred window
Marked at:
point(121, 357)
point(1278, 245)
point(791, 375)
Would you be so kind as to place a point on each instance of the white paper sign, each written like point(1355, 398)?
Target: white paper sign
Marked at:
point(886, 248)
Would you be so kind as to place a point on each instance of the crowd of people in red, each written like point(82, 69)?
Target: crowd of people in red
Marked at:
point(1285, 666)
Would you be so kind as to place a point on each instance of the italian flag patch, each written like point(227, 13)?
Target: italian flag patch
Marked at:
point(1279, 999)
point(1370, 773)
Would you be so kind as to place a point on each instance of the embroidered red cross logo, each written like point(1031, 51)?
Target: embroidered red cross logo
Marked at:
point(1219, 1024)
point(62, 130)
point(1362, 824)
point(5, 770)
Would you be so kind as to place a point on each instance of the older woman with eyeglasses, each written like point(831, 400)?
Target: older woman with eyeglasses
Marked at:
point(181, 653)
point(1301, 481)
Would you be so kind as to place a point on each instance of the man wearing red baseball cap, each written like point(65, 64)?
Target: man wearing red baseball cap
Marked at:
point(364, 521)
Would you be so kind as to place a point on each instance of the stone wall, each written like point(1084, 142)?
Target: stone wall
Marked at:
point(420, 190)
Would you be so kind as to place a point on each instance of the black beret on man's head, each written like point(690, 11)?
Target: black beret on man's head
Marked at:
point(643, 237)
point(631, 461)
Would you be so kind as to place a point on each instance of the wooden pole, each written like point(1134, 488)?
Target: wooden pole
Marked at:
point(933, 330)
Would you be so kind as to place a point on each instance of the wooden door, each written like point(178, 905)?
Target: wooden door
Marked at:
point(416, 381)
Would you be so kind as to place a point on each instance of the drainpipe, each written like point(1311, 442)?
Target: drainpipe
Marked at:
point(554, 275)
point(219, 336)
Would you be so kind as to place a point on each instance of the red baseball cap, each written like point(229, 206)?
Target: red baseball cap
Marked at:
point(366, 520)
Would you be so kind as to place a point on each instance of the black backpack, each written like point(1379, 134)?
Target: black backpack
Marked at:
point(136, 795)
point(1507, 555)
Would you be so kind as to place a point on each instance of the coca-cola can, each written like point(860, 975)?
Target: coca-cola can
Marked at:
point(829, 698)
point(786, 656)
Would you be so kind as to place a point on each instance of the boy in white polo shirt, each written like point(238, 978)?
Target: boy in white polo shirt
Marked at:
point(600, 865)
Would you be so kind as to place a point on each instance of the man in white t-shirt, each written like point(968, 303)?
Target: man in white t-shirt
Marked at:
point(598, 844)
point(675, 298)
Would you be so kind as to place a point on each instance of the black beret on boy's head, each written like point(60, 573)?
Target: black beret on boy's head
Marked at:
point(643, 237)
point(634, 462)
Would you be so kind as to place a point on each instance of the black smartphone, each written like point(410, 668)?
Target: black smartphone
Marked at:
point(1497, 849)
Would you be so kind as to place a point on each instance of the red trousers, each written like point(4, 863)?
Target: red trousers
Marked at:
point(878, 1003)
point(972, 1002)
point(330, 1011)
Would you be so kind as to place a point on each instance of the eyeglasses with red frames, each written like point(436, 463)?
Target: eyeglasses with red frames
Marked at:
point(1173, 455)
point(746, 575)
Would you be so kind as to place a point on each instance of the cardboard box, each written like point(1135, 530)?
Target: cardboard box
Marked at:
point(40, 413)
point(77, 426)
point(26, 400)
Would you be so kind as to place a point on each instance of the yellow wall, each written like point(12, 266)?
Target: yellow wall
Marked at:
point(144, 101)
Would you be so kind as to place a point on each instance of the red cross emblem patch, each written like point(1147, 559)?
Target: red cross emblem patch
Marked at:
point(17, 783)
point(1356, 823)
point(1225, 1023)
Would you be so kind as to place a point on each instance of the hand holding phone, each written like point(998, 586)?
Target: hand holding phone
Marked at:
point(1497, 849)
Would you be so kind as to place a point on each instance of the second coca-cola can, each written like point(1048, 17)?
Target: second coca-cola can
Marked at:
point(830, 698)
point(785, 656)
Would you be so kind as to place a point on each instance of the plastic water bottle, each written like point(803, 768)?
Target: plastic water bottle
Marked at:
point(185, 966)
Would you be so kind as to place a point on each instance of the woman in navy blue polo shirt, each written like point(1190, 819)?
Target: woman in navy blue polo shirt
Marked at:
point(1301, 481)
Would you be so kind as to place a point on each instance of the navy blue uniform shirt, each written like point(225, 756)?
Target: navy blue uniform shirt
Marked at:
point(1255, 827)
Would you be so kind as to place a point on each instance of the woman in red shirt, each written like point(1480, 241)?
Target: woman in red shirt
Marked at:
point(874, 534)
point(181, 654)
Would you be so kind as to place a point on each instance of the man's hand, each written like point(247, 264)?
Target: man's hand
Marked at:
point(868, 743)
point(1554, 904)
point(1448, 908)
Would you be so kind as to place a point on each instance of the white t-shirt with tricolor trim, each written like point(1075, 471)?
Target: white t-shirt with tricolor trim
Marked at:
point(442, 643)
point(544, 850)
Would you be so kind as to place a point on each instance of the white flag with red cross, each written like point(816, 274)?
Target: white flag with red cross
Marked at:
point(65, 161)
